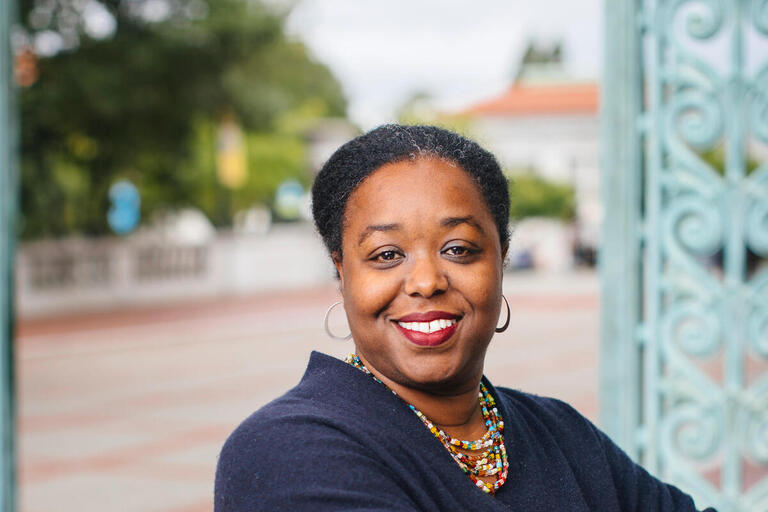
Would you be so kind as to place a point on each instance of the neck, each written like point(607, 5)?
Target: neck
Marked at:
point(457, 412)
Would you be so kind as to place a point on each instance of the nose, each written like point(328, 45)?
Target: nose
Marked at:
point(425, 277)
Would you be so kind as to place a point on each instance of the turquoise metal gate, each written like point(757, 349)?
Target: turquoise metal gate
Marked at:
point(685, 279)
point(8, 194)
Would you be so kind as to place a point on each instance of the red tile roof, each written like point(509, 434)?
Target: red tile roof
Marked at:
point(519, 99)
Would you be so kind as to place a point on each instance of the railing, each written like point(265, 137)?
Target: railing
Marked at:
point(78, 275)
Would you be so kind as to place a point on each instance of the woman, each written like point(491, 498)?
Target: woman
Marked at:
point(416, 221)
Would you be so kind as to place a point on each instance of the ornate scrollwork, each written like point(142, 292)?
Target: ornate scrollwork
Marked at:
point(692, 430)
point(698, 305)
point(694, 120)
point(702, 23)
point(755, 421)
point(693, 225)
point(693, 327)
point(699, 118)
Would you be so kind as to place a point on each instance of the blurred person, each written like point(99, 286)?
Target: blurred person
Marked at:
point(415, 219)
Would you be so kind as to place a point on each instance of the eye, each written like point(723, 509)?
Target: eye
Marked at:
point(460, 253)
point(387, 257)
point(456, 250)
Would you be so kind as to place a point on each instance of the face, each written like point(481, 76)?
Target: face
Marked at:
point(421, 274)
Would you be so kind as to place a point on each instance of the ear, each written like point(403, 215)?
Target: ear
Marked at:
point(336, 257)
point(504, 250)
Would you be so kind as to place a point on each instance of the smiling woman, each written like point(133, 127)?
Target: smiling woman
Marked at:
point(416, 260)
point(415, 219)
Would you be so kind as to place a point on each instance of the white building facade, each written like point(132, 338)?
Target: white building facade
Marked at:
point(551, 130)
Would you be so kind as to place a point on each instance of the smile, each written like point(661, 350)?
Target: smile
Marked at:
point(428, 329)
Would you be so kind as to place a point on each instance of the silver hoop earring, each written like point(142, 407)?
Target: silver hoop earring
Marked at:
point(506, 323)
point(328, 330)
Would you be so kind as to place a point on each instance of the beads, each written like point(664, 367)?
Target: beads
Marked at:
point(492, 461)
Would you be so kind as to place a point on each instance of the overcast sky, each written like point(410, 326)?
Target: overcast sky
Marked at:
point(459, 51)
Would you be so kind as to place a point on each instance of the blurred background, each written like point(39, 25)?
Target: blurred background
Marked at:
point(168, 278)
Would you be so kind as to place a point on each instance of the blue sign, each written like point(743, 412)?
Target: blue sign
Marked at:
point(288, 200)
point(125, 209)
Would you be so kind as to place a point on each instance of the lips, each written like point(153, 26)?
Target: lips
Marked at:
point(428, 329)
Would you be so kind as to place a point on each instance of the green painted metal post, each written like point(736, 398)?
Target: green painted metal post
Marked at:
point(621, 165)
point(8, 193)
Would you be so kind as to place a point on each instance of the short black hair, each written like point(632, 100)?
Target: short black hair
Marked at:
point(354, 161)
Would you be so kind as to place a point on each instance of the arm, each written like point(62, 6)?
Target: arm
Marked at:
point(636, 489)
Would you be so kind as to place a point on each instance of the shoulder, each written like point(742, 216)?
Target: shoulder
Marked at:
point(542, 404)
point(281, 421)
point(548, 413)
point(272, 451)
point(303, 451)
point(302, 419)
point(598, 463)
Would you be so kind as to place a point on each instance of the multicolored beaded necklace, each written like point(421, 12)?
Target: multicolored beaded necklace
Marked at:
point(492, 461)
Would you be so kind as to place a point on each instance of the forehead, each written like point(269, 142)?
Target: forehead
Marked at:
point(415, 189)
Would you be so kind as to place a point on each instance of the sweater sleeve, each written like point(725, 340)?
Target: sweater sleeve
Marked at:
point(636, 489)
point(639, 490)
point(316, 468)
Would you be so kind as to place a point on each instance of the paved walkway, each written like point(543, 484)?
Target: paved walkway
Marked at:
point(127, 411)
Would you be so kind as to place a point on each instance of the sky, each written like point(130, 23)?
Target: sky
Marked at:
point(457, 51)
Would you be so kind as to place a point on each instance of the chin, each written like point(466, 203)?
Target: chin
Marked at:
point(438, 379)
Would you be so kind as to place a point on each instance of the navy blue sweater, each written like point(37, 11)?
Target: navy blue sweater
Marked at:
point(341, 441)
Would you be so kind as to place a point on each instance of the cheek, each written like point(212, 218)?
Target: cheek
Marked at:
point(482, 289)
point(367, 293)
point(483, 283)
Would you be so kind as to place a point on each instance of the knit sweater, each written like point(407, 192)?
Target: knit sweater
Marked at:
point(341, 441)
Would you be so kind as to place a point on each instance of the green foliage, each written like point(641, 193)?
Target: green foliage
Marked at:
point(272, 157)
point(715, 158)
point(533, 196)
point(144, 103)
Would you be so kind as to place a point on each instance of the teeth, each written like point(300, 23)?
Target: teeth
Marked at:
point(428, 327)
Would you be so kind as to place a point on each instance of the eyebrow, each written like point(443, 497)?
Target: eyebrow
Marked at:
point(448, 222)
point(369, 230)
point(455, 221)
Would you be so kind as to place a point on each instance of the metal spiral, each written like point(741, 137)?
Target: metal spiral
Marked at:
point(694, 226)
point(693, 431)
point(698, 118)
point(693, 327)
point(704, 21)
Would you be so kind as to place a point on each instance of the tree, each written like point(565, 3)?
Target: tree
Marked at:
point(533, 196)
point(131, 104)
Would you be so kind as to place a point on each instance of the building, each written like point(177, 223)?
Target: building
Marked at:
point(547, 124)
